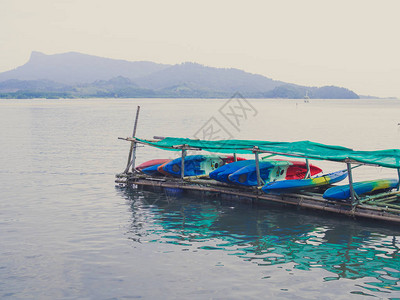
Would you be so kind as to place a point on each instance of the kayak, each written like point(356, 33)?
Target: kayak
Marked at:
point(342, 192)
point(150, 163)
point(153, 170)
point(301, 184)
point(223, 172)
point(160, 169)
point(272, 170)
point(195, 165)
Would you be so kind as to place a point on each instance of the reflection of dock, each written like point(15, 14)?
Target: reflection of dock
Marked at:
point(268, 235)
point(211, 188)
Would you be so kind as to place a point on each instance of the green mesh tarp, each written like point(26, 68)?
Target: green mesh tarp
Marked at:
point(385, 158)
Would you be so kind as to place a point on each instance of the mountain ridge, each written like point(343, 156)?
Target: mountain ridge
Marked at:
point(75, 68)
point(75, 75)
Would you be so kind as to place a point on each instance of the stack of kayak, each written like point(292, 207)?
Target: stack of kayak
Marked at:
point(277, 176)
point(245, 172)
point(194, 165)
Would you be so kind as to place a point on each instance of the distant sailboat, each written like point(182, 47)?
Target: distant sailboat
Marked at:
point(306, 98)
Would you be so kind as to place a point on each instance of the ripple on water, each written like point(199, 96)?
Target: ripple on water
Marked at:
point(67, 233)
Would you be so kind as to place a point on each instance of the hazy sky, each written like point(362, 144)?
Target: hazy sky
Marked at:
point(349, 43)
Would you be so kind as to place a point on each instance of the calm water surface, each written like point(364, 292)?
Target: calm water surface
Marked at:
point(67, 232)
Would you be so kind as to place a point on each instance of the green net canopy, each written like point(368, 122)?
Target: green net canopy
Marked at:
point(385, 158)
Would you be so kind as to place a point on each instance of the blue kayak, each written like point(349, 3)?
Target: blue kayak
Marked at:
point(195, 165)
point(301, 184)
point(152, 170)
point(248, 174)
point(222, 173)
point(342, 192)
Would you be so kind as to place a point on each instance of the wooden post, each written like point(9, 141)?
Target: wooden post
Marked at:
point(234, 157)
point(352, 193)
point(132, 151)
point(259, 180)
point(183, 163)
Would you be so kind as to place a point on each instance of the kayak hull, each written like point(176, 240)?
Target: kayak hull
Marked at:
point(151, 163)
point(195, 165)
point(153, 170)
point(342, 192)
point(301, 184)
point(223, 172)
point(272, 170)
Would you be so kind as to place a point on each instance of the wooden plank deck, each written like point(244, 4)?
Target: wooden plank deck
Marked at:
point(306, 200)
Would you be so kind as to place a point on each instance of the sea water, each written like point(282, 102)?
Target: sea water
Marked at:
point(67, 232)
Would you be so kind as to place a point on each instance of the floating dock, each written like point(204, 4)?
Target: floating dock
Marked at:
point(382, 206)
point(307, 200)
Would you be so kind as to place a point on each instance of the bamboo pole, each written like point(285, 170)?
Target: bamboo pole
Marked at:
point(308, 174)
point(132, 150)
point(183, 163)
point(196, 177)
point(352, 193)
point(398, 175)
point(388, 200)
point(259, 180)
point(388, 205)
point(380, 196)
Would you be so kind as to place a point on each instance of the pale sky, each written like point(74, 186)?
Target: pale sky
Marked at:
point(349, 43)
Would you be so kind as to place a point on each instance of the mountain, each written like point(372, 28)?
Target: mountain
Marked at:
point(76, 75)
point(75, 68)
point(196, 76)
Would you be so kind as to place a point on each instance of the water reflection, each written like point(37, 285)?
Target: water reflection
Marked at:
point(271, 235)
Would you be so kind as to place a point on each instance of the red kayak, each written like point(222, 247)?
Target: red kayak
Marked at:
point(151, 163)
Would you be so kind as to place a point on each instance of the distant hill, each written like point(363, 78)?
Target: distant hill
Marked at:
point(291, 91)
point(75, 68)
point(196, 76)
point(76, 75)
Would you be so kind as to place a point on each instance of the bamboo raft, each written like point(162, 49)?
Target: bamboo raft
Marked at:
point(382, 206)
